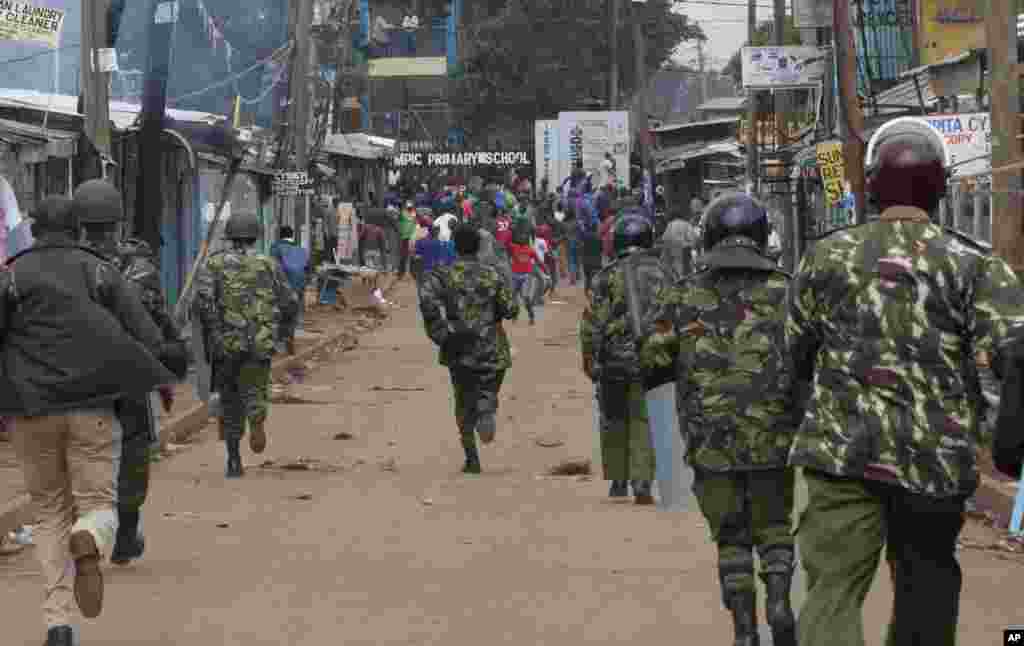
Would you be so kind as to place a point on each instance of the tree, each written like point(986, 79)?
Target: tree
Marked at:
point(532, 59)
point(762, 38)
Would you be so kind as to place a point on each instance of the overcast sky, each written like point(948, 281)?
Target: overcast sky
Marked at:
point(724, 22)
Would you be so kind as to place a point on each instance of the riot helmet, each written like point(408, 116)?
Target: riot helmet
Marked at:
point(907, 165)
point(54, 214)
point(243, 227)
point(632, 232)
point(738, 218)
point(98, 201)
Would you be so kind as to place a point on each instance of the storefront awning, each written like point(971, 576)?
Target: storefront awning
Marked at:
point(675, 158)
point(37, 143)
point(358, 145)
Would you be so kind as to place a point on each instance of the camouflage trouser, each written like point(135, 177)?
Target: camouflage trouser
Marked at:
point(476, 395)
point(626, 451)
point(244, 386)
point(744, 510)
point(138, 425)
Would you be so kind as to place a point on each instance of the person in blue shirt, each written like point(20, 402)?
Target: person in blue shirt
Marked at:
point(294, 261)
point(432, 252)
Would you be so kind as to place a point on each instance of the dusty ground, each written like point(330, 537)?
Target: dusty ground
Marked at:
point(384, 542)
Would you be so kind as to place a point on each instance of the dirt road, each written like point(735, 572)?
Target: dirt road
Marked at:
point(385, 542)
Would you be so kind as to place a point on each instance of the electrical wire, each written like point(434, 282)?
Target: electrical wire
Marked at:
point(22, 59)
point(234, 77)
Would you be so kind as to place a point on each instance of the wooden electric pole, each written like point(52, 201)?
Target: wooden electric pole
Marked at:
point(613, 81)
point(94, 101)
point(851, 118)
point(299, 82)
point(702, 67)
point(149, 201)
point(1005, 72)
point(643, 125)
point(752, 115)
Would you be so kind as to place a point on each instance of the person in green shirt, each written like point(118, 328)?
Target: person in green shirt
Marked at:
point(407, 237)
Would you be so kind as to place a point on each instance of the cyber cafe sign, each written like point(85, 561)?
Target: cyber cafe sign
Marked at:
point(460, 159)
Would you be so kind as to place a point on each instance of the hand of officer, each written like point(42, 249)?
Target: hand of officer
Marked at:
point(588, 367)
point(1008, 443)
point(167, 397)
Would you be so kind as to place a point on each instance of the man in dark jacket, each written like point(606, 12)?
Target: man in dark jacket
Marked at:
point(463, 307)
point(99, 211)
point(76, 339)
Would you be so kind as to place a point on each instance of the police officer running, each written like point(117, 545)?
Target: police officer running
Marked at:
point(100, 214)
point(608, 347)
point(75, 340)
point(246, 306)
point(891, 322)
point(722, 329)
point(463, 306)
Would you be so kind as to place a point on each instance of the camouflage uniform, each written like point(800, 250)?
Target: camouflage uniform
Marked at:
point(137, 263)
point(892, 320)
point(463, 306)
point(608, 344)
point(243, 300)
point(724, 333)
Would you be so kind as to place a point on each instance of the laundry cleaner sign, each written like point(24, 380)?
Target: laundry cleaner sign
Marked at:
point(25, 21)
point(969, 138)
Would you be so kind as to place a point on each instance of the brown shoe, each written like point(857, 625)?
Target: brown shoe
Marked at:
point(291, 347)
point(257, 437)
point(644, 499)
point(88, 575)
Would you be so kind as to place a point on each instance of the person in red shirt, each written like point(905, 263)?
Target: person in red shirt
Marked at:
point(503, 230)
point(524, 258)
point(545, 233)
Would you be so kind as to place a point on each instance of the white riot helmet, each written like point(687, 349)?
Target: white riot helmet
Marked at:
point(913, 173)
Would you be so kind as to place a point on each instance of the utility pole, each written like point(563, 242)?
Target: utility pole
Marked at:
point(149, 200)
point(781, 96)
point(702, 67)
point(752, 115)
point(94, 102)
point(784, 199)
point(851, 118)
point(640, 53)
point(300, 20)
point(1005, 72)
point(613, 82)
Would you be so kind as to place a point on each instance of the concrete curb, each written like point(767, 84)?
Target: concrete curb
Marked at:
point(15, 512)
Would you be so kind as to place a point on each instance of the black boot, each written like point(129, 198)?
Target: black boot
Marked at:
point(743, 606)
point(472, 456)
point(234, 469)
point(59, 636)
point(619, 489)
point(130, 543)
point(642, 492)
point(777, 575)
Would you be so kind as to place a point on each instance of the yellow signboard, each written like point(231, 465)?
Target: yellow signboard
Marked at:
point(405, 67)
point(25, 21)
point(830, 163)
point(949, 28)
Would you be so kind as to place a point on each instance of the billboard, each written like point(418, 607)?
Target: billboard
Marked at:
point(584, 138)
point(768, 68)
point(545, 156)
point(969, 138)
point(950, 28)
point(27, 22)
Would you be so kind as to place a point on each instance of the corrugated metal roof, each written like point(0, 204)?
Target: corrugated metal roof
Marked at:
point(122, 114)
point(696, 124)
point(905, 94)
point(357, 144)
point(724, 103)
point(676, 157)
point(15, 132)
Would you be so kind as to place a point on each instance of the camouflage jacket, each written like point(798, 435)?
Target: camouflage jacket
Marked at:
point(894, 319)
point(463, 306)
point(243, 301)
point(606, 337)
point(724, 331)
point(138, 264)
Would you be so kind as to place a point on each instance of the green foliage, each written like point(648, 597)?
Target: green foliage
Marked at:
point(533, 59)
point(762, 38)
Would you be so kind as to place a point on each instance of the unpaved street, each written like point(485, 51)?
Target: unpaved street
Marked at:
point(385, 542)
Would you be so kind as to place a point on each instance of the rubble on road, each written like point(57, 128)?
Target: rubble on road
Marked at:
point(300, 464)
point(572, 467)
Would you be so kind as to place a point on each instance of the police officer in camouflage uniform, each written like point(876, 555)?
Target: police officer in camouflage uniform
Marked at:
point(723, 329)
point(891, 322)
point(99, 210)
point(463, 307)
point(609, 349)
point(246, 307)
